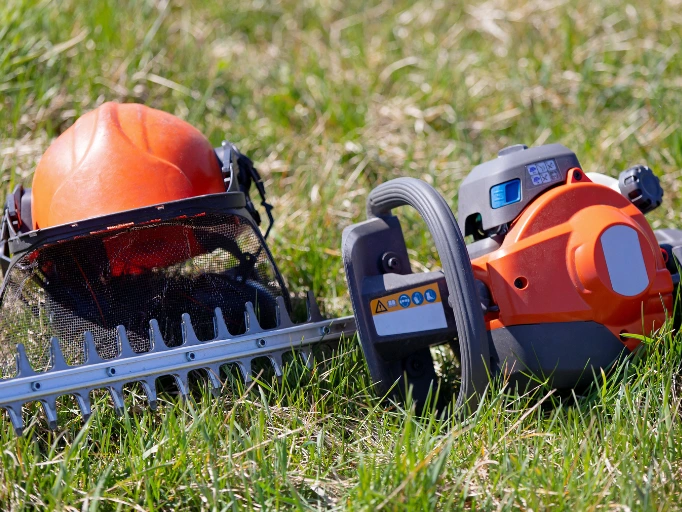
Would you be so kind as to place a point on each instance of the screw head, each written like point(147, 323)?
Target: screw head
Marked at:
point(325, 330)
point(191, 356)
point(261, 343)
point(35, 386)
point(390, 262)
point(111, 371)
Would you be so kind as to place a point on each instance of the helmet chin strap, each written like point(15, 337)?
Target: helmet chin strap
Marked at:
point(242, 166)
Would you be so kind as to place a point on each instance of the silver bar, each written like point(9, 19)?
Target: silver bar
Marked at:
point(128, 366)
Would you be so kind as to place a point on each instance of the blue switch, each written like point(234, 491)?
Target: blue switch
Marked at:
point(505, 193)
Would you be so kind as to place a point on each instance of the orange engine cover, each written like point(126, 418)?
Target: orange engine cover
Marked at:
point(579, 252)
point(121, 157)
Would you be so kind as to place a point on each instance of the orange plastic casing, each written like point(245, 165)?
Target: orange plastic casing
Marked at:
point(121, 157)
point(551, 266)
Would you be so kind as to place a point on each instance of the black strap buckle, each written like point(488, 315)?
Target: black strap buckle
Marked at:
point(241, 166)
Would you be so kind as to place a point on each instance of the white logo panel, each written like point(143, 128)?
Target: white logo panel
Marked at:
point(624, 260)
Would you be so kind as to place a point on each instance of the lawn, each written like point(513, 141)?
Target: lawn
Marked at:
point(331, 98)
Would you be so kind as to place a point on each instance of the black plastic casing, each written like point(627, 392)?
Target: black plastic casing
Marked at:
point(642, 187)
point(388, 358)
point(365, 248)
point(399, 346)
point(561, 355)
point(229, 203)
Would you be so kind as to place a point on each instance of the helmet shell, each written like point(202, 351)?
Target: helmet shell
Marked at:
point(121, 157)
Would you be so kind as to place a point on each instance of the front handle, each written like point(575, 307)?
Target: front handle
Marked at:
point(459, 276)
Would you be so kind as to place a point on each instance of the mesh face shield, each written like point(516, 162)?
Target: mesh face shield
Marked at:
point(130, 275)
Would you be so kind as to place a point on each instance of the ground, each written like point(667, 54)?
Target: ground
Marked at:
point(330, 98)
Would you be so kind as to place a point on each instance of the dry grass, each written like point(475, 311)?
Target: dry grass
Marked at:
point(331, 98)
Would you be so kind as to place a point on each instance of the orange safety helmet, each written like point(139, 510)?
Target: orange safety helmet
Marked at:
point(121, 157)
point(132, 217)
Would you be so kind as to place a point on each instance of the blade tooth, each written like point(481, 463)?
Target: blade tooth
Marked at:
point(307, 358)
point(181, 381)
point(150, 391)
point(116, 393)
point(314, 314)
point(245, 367)
point(83, 399)
point(214, 380)
point(126, 349)
point(283, 318)
point(189, 337)
point(222, 332)
point(252, 325)
point(24, 368)
point(276, 360)
point(50, 407)
point(15, 417)
point(91, 354)
point(57, 361)
point(155, 336)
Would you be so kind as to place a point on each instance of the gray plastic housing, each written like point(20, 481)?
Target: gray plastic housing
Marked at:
point(363, 248)
point(389, 359)
point(565, 355)
point(512, 163)
point(399, 346)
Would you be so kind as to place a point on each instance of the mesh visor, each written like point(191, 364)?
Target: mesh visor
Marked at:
point(132, 275)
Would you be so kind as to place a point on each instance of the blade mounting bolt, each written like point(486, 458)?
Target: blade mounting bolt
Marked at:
point(35, 386)
point(325, 330)
point(191, 356)
point(261, 343)
point(111, 371)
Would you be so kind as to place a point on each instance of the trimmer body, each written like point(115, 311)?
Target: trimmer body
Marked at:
point(578, 271)
point(561, 270)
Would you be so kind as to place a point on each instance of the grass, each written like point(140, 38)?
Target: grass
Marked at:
point(329, 99)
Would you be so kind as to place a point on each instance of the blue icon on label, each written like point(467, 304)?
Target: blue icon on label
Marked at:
point(417, 298)
point(404, 300)
point(430, 295)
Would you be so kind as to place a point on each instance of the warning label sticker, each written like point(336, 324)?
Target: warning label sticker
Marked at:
point(414, 310)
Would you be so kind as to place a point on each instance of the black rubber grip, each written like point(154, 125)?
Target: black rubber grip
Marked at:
point(459, 276)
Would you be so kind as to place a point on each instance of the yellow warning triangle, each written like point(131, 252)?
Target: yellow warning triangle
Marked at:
point(380, 307)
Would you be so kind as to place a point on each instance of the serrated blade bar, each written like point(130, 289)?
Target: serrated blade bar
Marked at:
point(112, 374)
